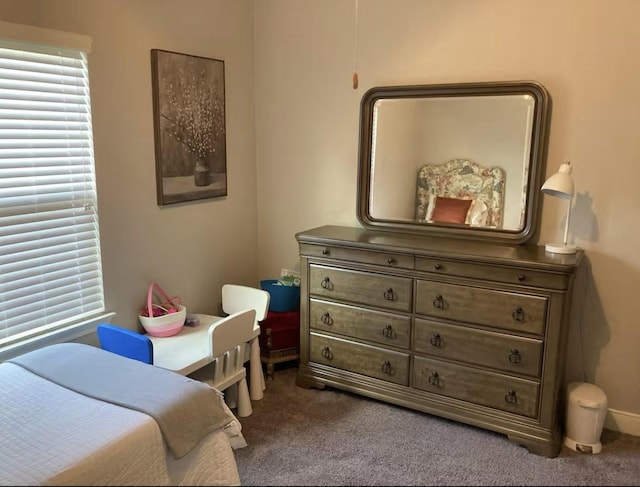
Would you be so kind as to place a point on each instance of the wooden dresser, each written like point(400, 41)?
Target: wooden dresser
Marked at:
point(471, 331)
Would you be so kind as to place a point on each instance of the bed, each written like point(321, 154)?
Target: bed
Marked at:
point(130, 424)
point(460, 191)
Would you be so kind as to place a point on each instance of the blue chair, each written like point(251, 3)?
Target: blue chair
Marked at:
point(125, 342)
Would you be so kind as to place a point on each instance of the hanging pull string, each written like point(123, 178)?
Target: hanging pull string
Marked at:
point(355, 51)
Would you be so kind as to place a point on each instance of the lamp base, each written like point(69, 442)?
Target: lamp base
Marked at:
point(558, 248)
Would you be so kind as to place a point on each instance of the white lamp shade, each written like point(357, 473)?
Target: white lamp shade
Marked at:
point(560, 184)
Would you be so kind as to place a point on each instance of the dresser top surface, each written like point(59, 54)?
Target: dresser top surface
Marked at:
point(446, 247)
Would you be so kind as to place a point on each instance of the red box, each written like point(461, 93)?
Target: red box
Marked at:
point(279, 338)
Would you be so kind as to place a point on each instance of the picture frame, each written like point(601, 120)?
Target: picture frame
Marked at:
point(189, 127)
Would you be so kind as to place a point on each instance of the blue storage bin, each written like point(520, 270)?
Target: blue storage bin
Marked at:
point(283, 298)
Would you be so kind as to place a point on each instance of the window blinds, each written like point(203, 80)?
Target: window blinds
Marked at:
point(50, 268)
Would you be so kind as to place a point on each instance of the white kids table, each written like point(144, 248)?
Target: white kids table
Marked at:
point(188, 351)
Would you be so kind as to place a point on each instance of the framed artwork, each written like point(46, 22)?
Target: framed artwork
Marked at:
point(189, 127)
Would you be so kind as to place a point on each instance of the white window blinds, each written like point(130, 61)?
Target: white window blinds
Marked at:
point(50, 268)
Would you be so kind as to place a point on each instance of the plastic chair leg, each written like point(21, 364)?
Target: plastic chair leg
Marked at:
point(256, 377)
point(231, 395)
point(244, 401)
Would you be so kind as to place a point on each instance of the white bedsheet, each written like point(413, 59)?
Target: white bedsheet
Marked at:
point(50, 435)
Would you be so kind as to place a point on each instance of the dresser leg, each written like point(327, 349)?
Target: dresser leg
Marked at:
point(549, 449)
point(308, 382)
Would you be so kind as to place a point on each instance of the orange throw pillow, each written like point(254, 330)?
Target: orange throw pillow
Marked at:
point(450, 210)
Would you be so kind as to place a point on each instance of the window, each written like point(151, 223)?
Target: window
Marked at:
point(50, 267)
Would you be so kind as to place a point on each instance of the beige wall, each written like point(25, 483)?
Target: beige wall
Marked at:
point(190, 249)
point(305, 143)
point(584, 51)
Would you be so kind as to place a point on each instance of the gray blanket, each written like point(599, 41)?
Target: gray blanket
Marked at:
point(186, 410)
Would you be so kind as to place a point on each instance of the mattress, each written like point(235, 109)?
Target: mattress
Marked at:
point(50, 435)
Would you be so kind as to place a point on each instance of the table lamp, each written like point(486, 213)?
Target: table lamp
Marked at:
point(560, 185)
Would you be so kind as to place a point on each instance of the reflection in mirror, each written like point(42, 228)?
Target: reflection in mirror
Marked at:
point(463, 159)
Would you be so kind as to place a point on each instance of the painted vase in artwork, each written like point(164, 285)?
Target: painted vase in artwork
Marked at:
point(201, 174)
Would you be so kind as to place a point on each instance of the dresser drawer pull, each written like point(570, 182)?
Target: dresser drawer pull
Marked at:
point(521, 277)
point(326, 353)
point(391, 261)
point(436, 340)
point(437, 266)
point(438, 302)
point(510, 397)
point(387, 331)
point(326, 284)
point(327, 319)
point(514, 357)
point(518, 314)
point(389, 295)
point(386, 367)
point(326, 252)
point(434, 379)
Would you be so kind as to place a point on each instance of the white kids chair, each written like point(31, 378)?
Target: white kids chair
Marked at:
point(237, 298)
point(226, 372)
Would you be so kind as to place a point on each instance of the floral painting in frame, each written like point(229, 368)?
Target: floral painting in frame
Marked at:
point(189, 126)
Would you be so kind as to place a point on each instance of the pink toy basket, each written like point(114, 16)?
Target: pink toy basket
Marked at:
point(162, 320)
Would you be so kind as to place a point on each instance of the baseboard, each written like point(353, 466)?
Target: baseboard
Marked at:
point(623, 422)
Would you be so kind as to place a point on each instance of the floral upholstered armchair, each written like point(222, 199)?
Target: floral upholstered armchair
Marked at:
point(460, 191)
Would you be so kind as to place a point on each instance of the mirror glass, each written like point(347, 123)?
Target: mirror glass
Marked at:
point(459, 159)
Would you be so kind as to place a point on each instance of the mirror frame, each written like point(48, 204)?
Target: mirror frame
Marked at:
point(537, 157)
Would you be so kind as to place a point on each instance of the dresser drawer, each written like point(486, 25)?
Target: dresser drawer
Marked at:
point(359, 323)
point(394, 293)
point(498, 391)
point(479, 347)
point(511, 275)
point(500, 309)
point(388, 259)
point(359, 358)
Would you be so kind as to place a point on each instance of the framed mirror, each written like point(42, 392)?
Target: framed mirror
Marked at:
point(462, 160)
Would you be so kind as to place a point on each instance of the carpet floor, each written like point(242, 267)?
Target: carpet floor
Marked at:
point(300, 436)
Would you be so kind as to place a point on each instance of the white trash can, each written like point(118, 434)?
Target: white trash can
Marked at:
point(585, 413)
